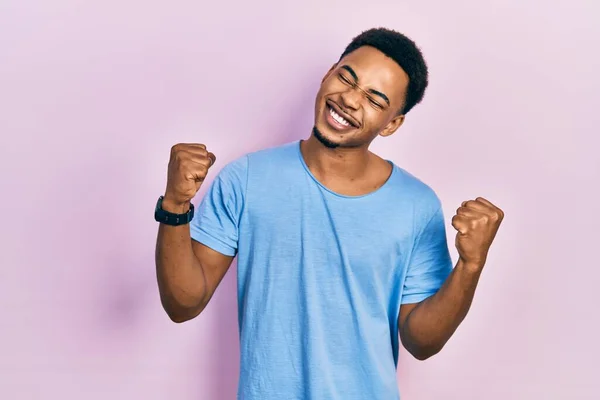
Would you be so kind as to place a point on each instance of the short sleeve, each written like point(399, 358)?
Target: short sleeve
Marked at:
point(430, 263)
point(217, 217)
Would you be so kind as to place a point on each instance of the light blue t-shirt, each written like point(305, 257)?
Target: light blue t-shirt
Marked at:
point(321, 276)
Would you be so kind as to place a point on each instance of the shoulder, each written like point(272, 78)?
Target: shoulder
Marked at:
point(269, 155)
point(274, 155)
point(415, 190)
point(234, 173)
point(415, 200)
point(238, 170)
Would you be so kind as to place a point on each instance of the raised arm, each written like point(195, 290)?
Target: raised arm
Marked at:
point(188, 272)
point(426, 326)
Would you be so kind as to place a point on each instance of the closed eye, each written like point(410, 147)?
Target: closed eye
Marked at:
point(348, 82)
point(344, 79)
point(375, 103)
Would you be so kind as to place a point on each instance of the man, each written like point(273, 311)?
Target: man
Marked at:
point(340, 252)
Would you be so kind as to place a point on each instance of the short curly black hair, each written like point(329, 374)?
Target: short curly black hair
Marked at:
point(402, 50)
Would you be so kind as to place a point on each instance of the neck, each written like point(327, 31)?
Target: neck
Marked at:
point(346, 163)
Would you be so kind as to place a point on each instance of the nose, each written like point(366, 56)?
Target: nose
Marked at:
point(351, 99)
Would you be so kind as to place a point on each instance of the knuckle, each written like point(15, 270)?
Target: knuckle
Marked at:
point(187, 165)
point(179, 157)
point(176, 148)
point(178, 152)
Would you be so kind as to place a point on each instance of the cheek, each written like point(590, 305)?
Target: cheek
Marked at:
point(374, 119)
point(322, 93)
point(332, 85)
point(319, 99)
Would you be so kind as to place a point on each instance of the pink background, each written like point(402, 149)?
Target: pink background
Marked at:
point(93, 94)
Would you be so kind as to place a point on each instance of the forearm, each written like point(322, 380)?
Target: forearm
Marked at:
point(431, 324)
point(181, 280)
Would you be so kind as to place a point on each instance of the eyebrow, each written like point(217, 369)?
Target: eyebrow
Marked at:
point(372, 91)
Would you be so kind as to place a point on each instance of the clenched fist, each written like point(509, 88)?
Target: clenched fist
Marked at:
point(477, 222)
point(188, 166)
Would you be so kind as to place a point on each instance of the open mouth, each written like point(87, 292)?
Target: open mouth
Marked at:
point(337, 121)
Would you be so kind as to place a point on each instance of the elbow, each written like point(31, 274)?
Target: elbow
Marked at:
point(180, 313)
point(178, 318)
point(424, 352)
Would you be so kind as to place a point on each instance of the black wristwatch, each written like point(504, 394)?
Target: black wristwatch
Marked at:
point(168, 218)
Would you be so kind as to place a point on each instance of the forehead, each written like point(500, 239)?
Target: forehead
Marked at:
point(377, 71)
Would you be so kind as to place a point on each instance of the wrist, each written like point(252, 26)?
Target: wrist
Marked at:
point(474, 267)
point(173, 206)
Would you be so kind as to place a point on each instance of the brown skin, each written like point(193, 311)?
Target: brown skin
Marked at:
point(351, 169)
point(426, 327)
point(343, 163)
point(189, 273)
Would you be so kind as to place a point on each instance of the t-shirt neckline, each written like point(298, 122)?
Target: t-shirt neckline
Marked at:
point(343, 196)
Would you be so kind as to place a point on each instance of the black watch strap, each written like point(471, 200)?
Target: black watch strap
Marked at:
point(168, 218)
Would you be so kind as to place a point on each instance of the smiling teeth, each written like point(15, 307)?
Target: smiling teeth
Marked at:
point(338, 117)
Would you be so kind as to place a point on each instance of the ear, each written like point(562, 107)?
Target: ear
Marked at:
point(329, 72)
point(392, 126)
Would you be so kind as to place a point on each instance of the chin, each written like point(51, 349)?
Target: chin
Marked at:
point(324, 140)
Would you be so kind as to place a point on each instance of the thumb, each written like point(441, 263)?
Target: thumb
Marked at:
point(459, 224)
point(212, 158)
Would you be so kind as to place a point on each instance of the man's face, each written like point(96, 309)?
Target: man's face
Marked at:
point(359, 99)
